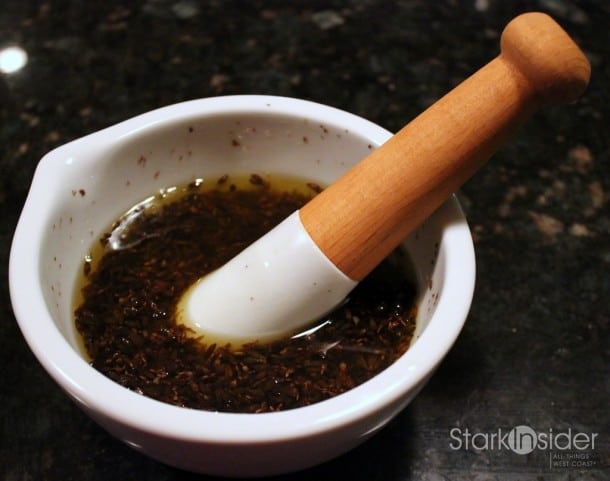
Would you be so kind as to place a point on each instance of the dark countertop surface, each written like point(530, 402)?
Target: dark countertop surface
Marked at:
point(535, 350)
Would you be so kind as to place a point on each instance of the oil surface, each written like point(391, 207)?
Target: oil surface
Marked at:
point(132, 280)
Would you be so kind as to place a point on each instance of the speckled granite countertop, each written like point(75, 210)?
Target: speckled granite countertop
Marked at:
point(535, 350)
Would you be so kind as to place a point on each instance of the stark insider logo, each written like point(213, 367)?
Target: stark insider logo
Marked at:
point(522, 440)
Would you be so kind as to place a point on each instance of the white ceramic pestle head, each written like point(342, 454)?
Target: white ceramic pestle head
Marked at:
point(275, 286)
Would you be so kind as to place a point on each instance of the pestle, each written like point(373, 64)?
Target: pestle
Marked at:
point(310, 262)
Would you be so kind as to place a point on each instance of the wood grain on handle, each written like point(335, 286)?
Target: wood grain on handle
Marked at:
point(363, 216)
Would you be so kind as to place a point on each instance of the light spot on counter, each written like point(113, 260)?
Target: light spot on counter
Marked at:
point(327, 19)
point(546, 224)
point(12, 59)
point(581, 157)
point(481, 5)
point(580, 230)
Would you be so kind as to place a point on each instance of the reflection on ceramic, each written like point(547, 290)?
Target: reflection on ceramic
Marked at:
point(81, 187)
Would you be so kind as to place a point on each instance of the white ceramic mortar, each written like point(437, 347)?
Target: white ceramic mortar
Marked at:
point(83, 186)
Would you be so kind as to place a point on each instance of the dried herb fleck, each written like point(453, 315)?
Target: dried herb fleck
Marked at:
point(126, 316)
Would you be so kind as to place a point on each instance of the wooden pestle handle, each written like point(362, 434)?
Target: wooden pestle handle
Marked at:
point(362, 217)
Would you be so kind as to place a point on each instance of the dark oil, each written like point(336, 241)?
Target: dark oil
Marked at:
point(133, 278)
